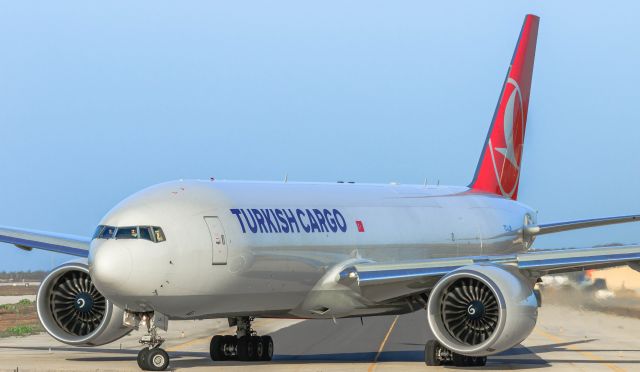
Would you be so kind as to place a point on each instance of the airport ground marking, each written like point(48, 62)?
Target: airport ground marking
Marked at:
point(587, 354)
point(382, 344)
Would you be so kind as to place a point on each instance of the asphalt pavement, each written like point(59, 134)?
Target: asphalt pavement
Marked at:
point(565, 339)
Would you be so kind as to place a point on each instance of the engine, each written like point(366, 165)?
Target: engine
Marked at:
point(480, 310)
point(72, 310)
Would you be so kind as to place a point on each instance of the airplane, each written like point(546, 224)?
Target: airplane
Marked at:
point(199, 249)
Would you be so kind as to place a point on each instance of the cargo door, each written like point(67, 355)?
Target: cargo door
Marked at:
point(218, 240)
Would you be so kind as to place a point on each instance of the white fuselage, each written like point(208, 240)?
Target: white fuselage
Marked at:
point(258, 248)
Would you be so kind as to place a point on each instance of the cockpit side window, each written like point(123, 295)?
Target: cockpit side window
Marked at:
point(145, 233)
point(107, 232)
point(158, 234)
point(96, 234)
point(127, 232)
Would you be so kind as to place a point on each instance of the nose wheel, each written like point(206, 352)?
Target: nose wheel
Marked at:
point(153, 359)
point(245, 346)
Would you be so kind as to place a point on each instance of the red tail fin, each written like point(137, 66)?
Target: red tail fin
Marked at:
point(498, 170)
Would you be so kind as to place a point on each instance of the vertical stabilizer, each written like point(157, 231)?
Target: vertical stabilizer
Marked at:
point(498, 170)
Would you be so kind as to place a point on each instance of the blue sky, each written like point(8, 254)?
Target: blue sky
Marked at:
point(97, 102)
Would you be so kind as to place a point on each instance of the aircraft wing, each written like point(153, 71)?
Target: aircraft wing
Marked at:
point(579, 224)
point(384, 281)
point(48, 241)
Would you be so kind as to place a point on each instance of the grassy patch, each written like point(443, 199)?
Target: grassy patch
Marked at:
point(22, 304)
point(22, 330)
point(19, 319)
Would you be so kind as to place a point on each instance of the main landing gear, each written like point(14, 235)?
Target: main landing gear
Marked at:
point(437, 355)
point(244, 346)
point(152, 357)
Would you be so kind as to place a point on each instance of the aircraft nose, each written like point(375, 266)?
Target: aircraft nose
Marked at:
point(109, 266)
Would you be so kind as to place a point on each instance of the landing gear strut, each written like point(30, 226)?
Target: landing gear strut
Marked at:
point(152, 357)
point(438, 355)
point(245, 346)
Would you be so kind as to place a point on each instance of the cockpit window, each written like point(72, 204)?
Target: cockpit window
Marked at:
point(151, 233)
point(145, 233)
point(158, 234)
point(128, 232)
point(107, 232)
point(96, 234)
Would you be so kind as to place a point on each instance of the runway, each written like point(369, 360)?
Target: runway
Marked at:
point(564, 338)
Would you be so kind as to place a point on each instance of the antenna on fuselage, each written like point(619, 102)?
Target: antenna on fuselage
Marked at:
point(286, 177)
point(425, 182)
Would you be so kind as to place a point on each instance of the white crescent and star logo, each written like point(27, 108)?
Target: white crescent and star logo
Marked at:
point(511, 118)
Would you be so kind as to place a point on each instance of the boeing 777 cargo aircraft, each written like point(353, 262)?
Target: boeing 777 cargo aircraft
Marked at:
point(241, 250)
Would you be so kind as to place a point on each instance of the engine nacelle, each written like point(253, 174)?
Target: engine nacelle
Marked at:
point(480, 310)
point(72, 310)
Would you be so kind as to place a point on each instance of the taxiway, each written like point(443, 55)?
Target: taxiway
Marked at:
point(565, 338)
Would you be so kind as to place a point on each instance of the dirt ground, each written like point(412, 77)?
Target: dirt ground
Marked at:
point(18, 315)
point(9, 290)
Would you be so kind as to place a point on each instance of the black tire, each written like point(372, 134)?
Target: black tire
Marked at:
point(157, 360)
point(460, 360)
point(142, 359)
point(232, 342)
point(430, 353)
point(246, 349)
point(258, 347)
point(267, 348)
point(216, 348)
point(479, 361)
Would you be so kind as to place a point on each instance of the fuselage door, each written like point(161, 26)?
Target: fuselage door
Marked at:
point(218, 240)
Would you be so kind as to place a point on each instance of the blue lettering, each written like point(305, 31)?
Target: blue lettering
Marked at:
point(321, 221)
point(300, 213)
point(340, 221)
point(312, 221)
point(260, 219)
point(254, 227)
point(291, 219)
point(236, 212)
point(330, 220)
point(283, 221)
point(267, 218)
point(275, 219)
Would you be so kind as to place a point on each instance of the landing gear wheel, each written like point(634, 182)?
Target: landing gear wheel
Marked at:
point(258, 347)
point(431, 357)
point(479, 361)
point(246, 349)
point(216, 348)
point(142, 357)
point(468, 361)
point(267, 348)
point(460, 360)
point(157, 360)
point(230, 345)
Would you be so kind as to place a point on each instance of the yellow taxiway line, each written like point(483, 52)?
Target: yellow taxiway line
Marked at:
point(372, 367)
point(586, 354)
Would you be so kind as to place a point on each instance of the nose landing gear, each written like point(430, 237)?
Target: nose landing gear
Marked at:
point(155, 359)
point(152, 357)
point(245, 346)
